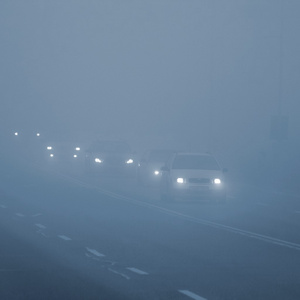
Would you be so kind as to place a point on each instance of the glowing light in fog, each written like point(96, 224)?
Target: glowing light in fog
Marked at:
point(74, 155)
point(180, 180)
point(51, 155)
point(129, 161)
point(49, 148)
point(156, 172)
point(98, 160)
point(77, 148)
point(38, 134)
point(217, 181)
point(16, 133)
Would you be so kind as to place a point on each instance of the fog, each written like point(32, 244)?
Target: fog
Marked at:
point(87, 211)
point(196, 75)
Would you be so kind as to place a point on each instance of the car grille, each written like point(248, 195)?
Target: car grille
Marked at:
point(199, 180)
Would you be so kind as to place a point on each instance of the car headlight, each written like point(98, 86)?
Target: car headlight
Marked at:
point(217, 181)
point(180, 180)
point(98, 160)
point(75, 155)
point(51, 155)
point(156, 172)
point(77, 148)
point(49, 148)
point(129, 161)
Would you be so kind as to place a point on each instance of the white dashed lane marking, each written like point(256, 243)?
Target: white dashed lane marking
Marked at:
point(119, 273)
point(40, 226)
point(191, 295)
point(137, 271)
point(36, 215)
point(65, 238)
point(95, 252)
point(20, 215)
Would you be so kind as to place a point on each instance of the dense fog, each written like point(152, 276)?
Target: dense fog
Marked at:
point(194, 75)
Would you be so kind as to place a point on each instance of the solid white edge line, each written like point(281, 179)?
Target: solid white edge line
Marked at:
point(250, 234)
point(19, 215)
point(63, 237)
point(191, 295)
point(40, 226)
point(137, 271)
point(95, 252)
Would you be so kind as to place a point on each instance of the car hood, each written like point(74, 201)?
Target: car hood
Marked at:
point(183, 173)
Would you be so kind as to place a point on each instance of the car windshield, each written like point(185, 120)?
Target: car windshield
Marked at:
point(197, 162)
point(159, 156)
point(115, 147)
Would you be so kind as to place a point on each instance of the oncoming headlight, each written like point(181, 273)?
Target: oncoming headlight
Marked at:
point(129, 161)
point(180, 180)
point(98, 160)
point(217, 181)
point(156, 172)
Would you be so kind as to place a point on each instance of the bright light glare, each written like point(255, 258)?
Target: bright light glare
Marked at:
point(16, 133)
point(74, 155)
point(156, 172)
point(129, 161)
point(77, 148)
point(38, 134)
point(51, 155)
point(180, 180)
point(98, 160)
point(49, 148)
point(217, 181)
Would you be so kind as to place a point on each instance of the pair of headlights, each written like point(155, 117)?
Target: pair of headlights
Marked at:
point(99, 161)
point(183, 180)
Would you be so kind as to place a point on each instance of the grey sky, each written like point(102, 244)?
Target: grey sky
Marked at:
point(194, 70)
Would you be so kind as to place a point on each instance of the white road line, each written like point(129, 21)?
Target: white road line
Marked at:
point(235, 230)
point(63, 237)
point(121, 274)
point(40, 226)
point(36, 215)
point(19, 215)
point(95, 252)
point(135, 270)
point(191, 295)
point(3, 206)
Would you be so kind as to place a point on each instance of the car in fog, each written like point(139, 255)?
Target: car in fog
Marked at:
point(149, 167)
point(62, 152)
point(194, 176)
point(110, 157)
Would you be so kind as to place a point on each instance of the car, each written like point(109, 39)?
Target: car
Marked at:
point(110, 157)
point(149, 167)
point(193, 176)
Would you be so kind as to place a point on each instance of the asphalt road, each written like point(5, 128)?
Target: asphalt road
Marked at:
point(66, 235)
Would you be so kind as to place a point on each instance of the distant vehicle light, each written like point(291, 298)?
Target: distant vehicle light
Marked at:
point(217, 181)
point(75, 155)
point(98, 160)
point(49, 148)
point(156, 172)
point(129, 161)
point(16, 133)
point(38, 134)
point(51, 155)
point(77, 148)
point(180, 180)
